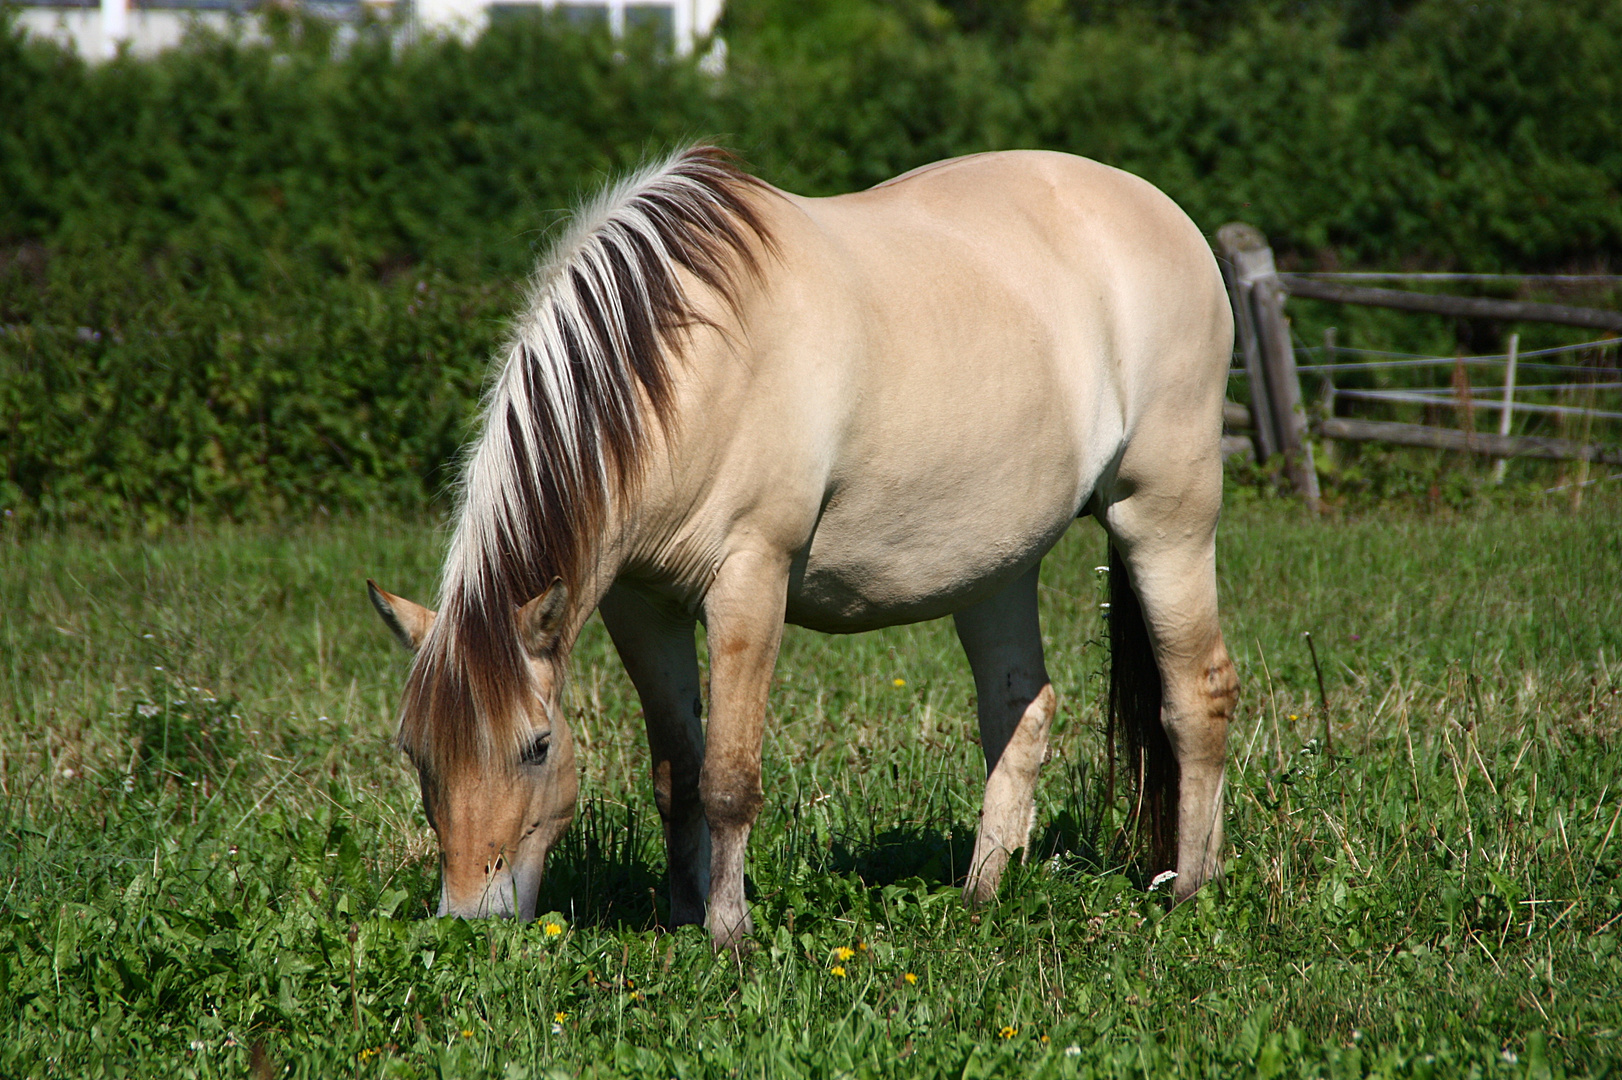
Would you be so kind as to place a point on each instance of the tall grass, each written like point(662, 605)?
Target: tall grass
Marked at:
point(210, 861)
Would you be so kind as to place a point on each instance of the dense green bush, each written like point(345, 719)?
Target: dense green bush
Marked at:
point(371, 155)
point(1482, 136)
point(209, 260)
point(169, 396)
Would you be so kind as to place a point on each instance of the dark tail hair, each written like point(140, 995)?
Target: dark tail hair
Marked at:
point(1134, 710)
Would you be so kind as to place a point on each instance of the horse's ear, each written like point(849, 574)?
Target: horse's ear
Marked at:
point(541, 620)
point(410, 622)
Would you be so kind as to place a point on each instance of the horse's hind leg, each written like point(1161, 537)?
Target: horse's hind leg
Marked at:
point(1003, 641)
point(657, 649)
point(1165, 531)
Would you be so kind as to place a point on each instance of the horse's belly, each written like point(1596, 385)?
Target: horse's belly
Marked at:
point(860, 574)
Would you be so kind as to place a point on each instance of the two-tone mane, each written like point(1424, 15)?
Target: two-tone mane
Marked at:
point(587, 371)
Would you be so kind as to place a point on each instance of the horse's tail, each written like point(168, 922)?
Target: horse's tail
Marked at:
point(1134, 711)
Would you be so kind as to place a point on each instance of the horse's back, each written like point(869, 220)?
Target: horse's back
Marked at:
point(1021, 214)
point(1030, 271)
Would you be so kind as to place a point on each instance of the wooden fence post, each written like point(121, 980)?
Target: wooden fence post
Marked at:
point(1233, 241)
point(1275, 389)
point(1327, 406)
point(1507, 415)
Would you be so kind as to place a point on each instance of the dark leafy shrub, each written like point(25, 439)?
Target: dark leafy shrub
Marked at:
point(253, 277)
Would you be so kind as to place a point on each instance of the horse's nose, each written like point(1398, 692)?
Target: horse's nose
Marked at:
point(494, 897)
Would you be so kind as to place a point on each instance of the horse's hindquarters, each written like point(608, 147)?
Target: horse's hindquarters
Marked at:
point(1011, 318)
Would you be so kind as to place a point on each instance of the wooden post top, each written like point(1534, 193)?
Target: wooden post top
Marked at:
point(1245, 246)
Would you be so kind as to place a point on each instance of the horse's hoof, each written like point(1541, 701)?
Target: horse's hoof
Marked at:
point(739, 946)
point(731, 934)
point(739, 941)
point(978, 892)
point(990, 860)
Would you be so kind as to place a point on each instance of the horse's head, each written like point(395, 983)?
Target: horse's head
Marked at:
point(499, 808)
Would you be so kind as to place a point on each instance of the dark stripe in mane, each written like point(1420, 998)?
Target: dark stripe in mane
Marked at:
point(566, 433)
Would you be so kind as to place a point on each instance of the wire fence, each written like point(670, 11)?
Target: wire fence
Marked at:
point(1558, 403)
point(1533, 386)
point(1388, 359)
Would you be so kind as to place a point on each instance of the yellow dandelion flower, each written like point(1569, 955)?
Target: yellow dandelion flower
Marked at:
point(861, 946)
point(1008, 1032)
point(1044, 1040)
point(911, 978)
point(553, 929)
point(837, 971)
point(899, 683)
point(1294, 717)
point(844, 953)
point(558, 1018)
point(467, 1033)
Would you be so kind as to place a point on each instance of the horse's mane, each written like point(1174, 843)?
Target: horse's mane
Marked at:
point(565, 424)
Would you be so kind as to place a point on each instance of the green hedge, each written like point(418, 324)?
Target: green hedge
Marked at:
point(159, 402)
point(371, 156)
point(249, 279)
point(1483, 136)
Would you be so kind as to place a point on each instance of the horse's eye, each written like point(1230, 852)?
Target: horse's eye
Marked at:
point(535, 752)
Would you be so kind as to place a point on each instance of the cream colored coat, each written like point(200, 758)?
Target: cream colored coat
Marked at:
point(894, 421)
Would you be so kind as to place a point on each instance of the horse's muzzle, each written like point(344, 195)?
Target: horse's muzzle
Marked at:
point(505, 894)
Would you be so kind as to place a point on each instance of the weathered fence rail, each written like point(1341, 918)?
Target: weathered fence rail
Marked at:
point(1473, 307)
point(1474, 442)
point(1276, 422)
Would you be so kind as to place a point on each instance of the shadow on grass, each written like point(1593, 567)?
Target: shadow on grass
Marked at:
point(602, 874)
point(942, 858)
point(609, 872)
point(927, 852)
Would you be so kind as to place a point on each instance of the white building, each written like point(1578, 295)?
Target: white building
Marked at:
point(99, 28)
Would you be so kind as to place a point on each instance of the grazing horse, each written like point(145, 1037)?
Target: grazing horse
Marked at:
point(729, 404)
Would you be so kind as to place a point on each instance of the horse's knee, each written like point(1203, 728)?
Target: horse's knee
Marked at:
point(675, 786)
point(1027, 744)
point(730, 797)
point(672, 794)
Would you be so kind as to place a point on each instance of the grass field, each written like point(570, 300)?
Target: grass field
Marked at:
point(212, 864)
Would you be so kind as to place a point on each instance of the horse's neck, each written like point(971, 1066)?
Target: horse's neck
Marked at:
point(597, 578)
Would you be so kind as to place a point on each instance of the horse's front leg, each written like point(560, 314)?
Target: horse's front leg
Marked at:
point(1003, 641)
point(743, 618)
point(656, 645)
